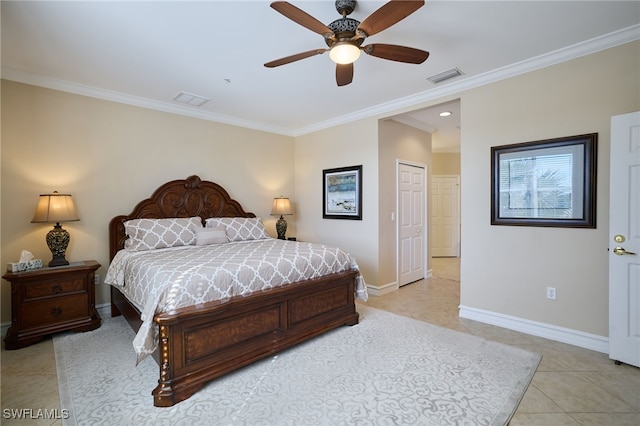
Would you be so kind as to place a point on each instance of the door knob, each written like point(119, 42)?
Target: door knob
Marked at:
point(620, 251)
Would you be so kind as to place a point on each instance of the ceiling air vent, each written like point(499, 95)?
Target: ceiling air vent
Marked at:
point(445, 75)
point(190, 99)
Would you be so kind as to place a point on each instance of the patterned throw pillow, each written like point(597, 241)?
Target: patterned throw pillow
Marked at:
point(149, 234)
point(239, 228)
point(206, 236)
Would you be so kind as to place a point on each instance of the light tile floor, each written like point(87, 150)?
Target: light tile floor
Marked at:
point(572, 386)
point(29, 382)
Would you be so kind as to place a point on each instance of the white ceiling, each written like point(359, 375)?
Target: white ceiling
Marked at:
point(146, 52)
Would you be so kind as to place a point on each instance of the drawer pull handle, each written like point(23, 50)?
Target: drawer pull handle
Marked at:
point(56, 289)
point(56, 311)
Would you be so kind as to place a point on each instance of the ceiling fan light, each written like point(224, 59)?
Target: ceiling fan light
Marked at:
point(344, 53)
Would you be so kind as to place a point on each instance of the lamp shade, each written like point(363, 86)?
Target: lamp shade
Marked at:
point(55, 208)
point(344, 52)
point(281, 206)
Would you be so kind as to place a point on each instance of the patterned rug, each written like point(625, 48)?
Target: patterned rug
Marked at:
point(387, 370)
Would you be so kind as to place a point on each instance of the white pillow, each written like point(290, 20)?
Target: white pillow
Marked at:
point(239, 228)
point(149, 234)
point(206, 236)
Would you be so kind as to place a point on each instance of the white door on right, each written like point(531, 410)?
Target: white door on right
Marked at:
point(624, 240)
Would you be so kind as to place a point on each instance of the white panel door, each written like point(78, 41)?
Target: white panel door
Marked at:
point(445, 216)
point(624, 240)
point(411, 223)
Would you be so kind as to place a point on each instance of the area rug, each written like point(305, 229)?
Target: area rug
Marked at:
point(387, 370)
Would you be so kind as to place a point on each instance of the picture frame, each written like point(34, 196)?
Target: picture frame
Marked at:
point(545, 183)
point(342, 193)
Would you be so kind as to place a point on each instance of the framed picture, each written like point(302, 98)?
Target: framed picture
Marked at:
point(545, 183)
point(342, 193)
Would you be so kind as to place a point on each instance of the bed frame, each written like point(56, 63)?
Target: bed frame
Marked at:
point(199, 343)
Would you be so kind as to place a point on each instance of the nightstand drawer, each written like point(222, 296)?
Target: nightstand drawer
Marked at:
point(54, 310)
point(50, 300)
point(55, 288)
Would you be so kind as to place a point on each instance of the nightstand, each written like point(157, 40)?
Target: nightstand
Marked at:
point(49, 300)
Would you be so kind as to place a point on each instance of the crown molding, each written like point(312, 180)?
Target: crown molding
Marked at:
point(109, 95)
point(578, 50)
point(587, 47)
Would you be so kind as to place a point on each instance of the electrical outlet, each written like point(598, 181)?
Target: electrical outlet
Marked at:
point(96, 279)
point(551, 293)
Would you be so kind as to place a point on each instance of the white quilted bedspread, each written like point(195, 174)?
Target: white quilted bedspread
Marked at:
point(165, 279)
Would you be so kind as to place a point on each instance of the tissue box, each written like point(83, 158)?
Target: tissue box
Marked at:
point(17, 266)
point(24, 266)
point(34, 264)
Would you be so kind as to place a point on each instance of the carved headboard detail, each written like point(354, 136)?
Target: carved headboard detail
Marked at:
point(179, 198)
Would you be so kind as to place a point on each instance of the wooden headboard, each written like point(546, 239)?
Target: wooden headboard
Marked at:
point(179, 198)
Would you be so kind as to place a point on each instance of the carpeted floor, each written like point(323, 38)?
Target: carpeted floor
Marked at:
point(387, 370)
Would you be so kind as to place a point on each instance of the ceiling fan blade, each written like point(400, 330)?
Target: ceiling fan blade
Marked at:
point(396, 53)
point(344, 74)
point(388, 14)
point(301, 17)
point(293, 58)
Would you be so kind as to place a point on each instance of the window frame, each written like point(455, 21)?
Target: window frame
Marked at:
point(581, 191)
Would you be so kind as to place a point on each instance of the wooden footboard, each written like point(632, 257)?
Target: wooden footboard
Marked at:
point(201, 343)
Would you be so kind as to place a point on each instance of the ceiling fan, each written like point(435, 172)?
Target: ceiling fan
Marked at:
point(344, 36)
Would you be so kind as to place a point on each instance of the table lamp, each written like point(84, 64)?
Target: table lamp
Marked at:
point(56, 208)
point(281, 206)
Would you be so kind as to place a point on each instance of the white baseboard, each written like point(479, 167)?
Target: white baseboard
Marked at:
point(381, 290)
point(534, 328)
point(104, 310)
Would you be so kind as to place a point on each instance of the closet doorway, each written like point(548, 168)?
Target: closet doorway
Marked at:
point(412, 229)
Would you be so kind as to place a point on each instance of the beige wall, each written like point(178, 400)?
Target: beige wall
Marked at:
point(446, 164)
point(376, 145)
point(505, 269)
point(341, 146)
point(397, 142)
point(109, 156)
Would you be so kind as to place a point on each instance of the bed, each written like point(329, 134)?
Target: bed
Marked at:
point(195, 344)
